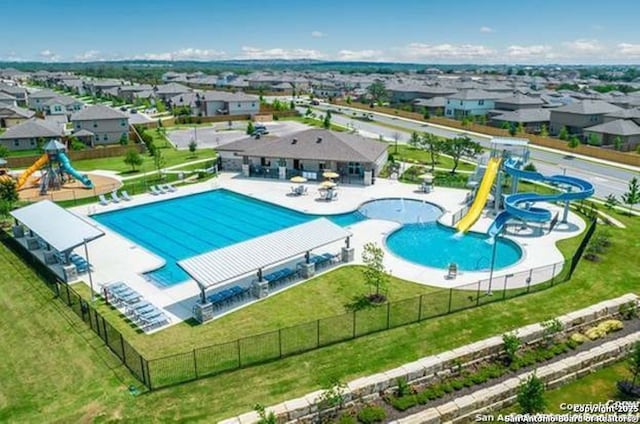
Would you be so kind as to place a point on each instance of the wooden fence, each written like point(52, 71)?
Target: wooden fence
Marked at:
point(591, 151)
point(95, 153)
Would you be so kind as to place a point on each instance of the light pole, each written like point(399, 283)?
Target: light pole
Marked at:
point(493, 261)
point(86, 254)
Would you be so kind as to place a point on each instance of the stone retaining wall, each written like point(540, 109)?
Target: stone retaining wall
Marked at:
point(367, 388)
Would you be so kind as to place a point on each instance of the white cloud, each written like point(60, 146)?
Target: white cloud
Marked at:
point(486, 29)
point(529, 52)
point(189, 53)
point(89, 56)
point(583, 46)
point(357, 55)
point(280, 53)
point(49, 56)
point(444, 52)
point(318, 34)
point(627, 49)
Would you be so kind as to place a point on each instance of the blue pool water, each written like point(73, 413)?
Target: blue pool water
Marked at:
point(180, 228)
point(184, 227)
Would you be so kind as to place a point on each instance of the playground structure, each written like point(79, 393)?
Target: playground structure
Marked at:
point(507, 157)
point(4, 172)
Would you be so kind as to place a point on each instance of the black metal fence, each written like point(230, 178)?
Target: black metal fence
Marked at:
point(209, 360)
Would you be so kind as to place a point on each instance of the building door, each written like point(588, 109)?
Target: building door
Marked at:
point(296, 164)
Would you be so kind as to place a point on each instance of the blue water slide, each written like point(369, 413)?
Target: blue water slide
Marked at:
point(66, 165)
point(520, 205)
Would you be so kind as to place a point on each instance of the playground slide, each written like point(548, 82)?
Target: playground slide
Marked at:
point(481, 195)
point(22, 179)
point(66, 165)
point(519, 205)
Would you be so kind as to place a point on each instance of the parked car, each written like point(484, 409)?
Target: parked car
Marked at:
point(133, 111)
point(122, 108)
point(315, 102)
point(260, 130)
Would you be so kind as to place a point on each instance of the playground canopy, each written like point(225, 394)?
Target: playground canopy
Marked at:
point(57, 226)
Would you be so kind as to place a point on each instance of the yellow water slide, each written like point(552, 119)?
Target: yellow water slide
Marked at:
point(33, 168)
point(481, 195)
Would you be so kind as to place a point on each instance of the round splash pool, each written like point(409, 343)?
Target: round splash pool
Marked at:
point(425, 242)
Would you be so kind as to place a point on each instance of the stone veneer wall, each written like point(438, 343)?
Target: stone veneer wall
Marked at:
point(367, 388)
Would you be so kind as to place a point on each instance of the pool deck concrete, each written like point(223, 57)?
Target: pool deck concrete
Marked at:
point(116, 258)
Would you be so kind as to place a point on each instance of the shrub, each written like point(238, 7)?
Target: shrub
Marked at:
point(530, 395)
point(628, 389)
point(611, 325)
point(457, 384)
point(468, 381)
point(550, 329)
point(371, 414)
point(595, 333)
point(480, 377)
point(628, 310)
point(571, 344)
point(446, 387)
point(346, 419)
point(403, 388)
point(495, 370)
point(511, 345)
point(578, 338)
point(402, 403)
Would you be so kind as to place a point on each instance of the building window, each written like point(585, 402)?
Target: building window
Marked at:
point(354, 168)
point(33, 142)
point(95, 124)
point(460, 102)
point(16, 143)
point(239, 105)
point(77, 126)
point(480, 102)
point(253, 105)
point(105, 138)
point(123, 123)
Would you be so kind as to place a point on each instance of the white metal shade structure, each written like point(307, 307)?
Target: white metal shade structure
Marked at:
point(218, 267)
point(58, 227)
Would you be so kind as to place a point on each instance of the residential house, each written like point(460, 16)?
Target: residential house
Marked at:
point(167, 91)
point(100, 87)
point(518, 101)
point(7, 100)
point(107, 125)
point(627, 130)
point(37, 99)
point(27, 134)
point(470, 103)
point(63, 105)
point(126, 92)
point(400, 93)
point(532, 120)
point(213, 103)
point(326, 90)
point(579, 115)
point(10, 116)
point(308, 153)
point(20, 93)
point(434, 105)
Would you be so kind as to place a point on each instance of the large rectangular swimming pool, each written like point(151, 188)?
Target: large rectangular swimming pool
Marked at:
point(179, 228)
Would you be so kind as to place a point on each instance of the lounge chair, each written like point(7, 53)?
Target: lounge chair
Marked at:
point(103, 200)
point(125, 195)
point(171, 188)
point(154, 190)
point(334, 194)
point(160, 189)
point(453, 271)
point(114, 197)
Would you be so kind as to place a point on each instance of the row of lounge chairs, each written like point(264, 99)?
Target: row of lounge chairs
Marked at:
point(228, 296)
point(298, 191)
point(162, 189)
point(328, 195)
point(81, 263)
point(114, 197)
point(143, 313)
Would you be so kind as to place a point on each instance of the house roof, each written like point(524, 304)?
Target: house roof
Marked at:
point(524, 115)
point(134, 88)
point(5, 96)
point(13, 90)
point(32, 128)
point(189, 99)
point(15, 111)
point(172, 87)
point(83, 133)
point(588, 107)
point(622, 127)
point(432, 102)
point(521, 99)
point(475, 95)
point(319, 144)
point(97, 112)
point(63, 100)
point(625, 114)
point(43, 94)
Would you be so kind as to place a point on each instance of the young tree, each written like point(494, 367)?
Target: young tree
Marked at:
point(414, 140)
point(250, 128)
point(511, 345)
point(374, 272)
point(593, 140)
point(520, 128)
point(396, 137)
point(617, 143)
point(377, 91)
point(611, 201)
point(193, 146)
point(459, 147)
point(434, 145)
point(133, 159)
point(574, 142)
point(531, 395)
point(564, 134)
point(4, 152)
point(632, 196)
point(158, 160)
point(512, 129)
point(124, 139)
point(326, 122)
point(544, 132)
point(425, 113)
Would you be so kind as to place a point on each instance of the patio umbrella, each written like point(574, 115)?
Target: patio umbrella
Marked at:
point(426, 177)
point(298, 179)
point(330, 174)
point(328, 184)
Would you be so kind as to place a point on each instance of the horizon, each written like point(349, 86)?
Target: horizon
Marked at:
point(415, 32)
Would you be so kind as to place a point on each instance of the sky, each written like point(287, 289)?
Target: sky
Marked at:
point(415, 31)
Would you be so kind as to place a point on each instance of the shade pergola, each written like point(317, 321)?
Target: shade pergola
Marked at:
point(218, 267)
point(58, 227)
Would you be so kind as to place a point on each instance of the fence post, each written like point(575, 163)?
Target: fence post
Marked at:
point(388, 314)
point(68, 295)
point(354, 324)
point(195, 364)
point(124, 356)
point(420, 309)
point(239, 356)
point(104, 328)
point(280, 341)
point(318, 332)
point(504, 288)
point(450, 296)
point(478, 294)
point(148, 378)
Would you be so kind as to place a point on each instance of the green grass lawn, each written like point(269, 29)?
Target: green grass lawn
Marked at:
point(73, 379)
point(409, 154)
point(313, 122)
